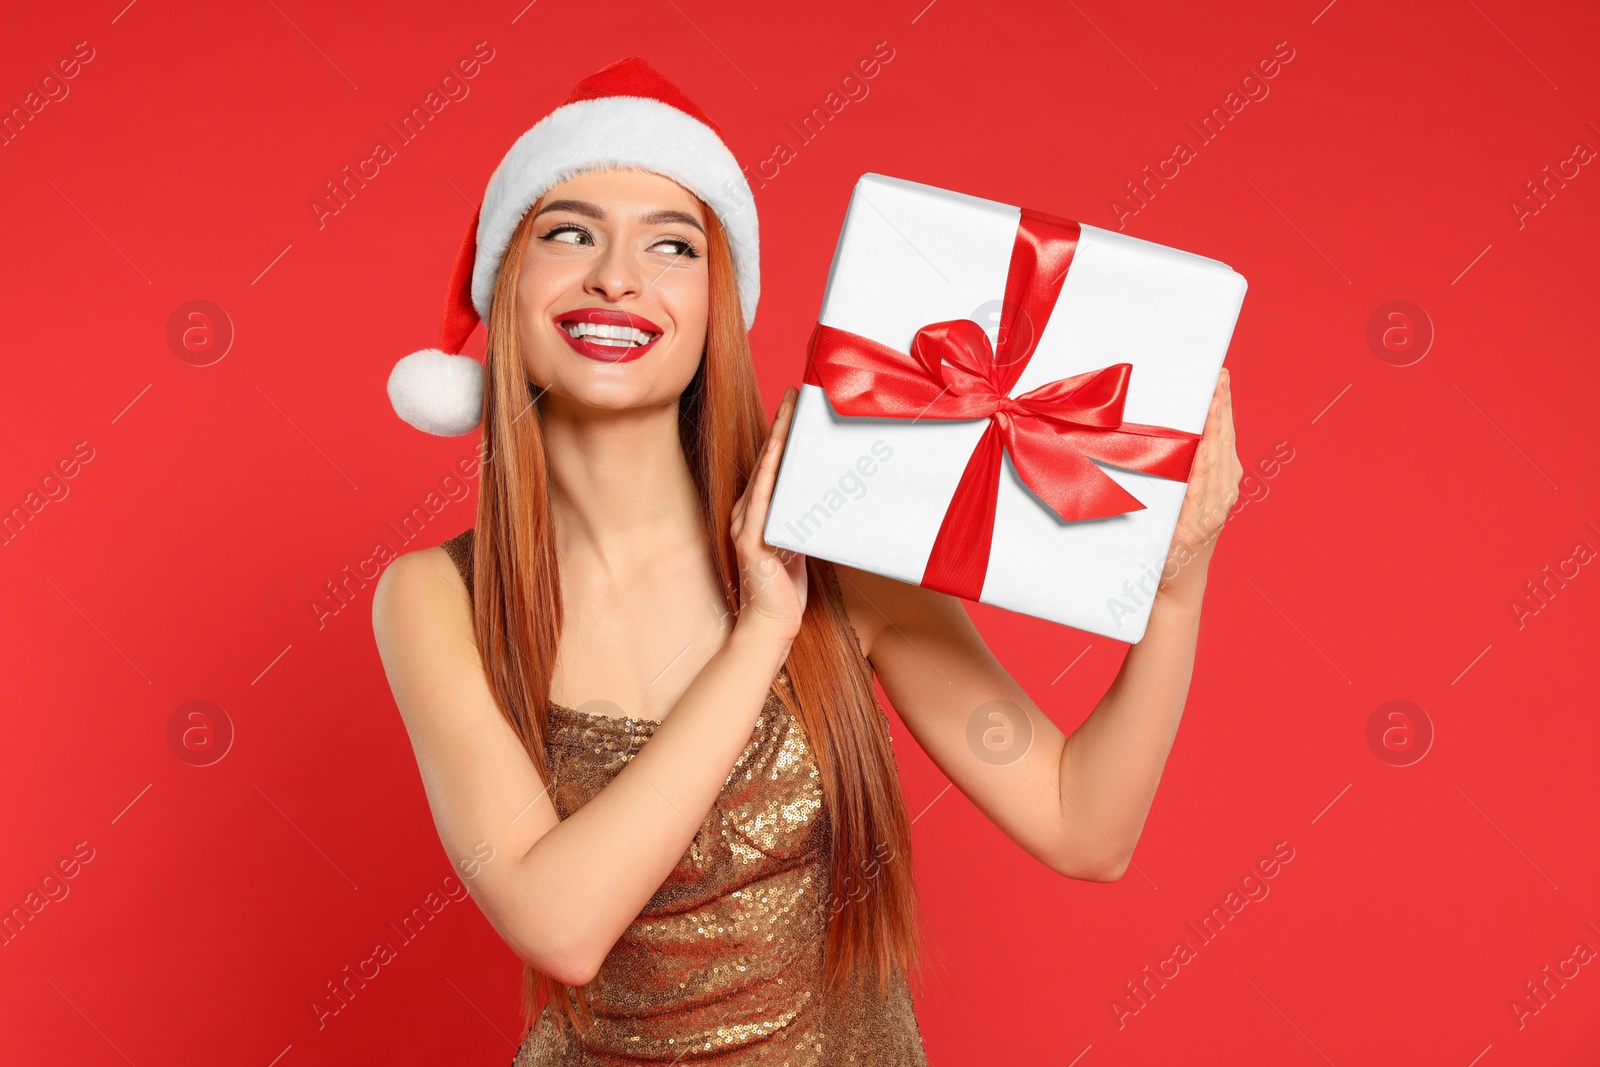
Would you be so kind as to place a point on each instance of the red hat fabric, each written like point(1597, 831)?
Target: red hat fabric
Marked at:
point(634, 77)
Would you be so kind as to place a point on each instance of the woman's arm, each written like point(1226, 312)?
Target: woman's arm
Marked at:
point(1078, 803)
point(561, 892)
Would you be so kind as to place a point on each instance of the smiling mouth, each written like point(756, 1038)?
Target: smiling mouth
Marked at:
point(608, 336)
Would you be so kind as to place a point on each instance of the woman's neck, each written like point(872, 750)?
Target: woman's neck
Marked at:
point(620, 484)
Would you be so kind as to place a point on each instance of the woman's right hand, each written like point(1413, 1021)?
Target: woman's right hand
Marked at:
point(772, 582)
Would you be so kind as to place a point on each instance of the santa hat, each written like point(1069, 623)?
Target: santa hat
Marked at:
point(623, 115)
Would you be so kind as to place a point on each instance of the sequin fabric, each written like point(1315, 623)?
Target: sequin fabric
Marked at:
point(724, 965)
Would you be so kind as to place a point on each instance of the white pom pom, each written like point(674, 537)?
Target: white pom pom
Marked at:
point(438, 393)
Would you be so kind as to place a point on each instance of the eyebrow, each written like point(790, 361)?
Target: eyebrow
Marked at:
point(593, 211)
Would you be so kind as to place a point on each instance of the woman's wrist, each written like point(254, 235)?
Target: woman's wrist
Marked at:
point(1183, 579)
point(757, 635)
point(1181, 595)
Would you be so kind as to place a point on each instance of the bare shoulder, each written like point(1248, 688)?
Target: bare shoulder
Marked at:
point(422, 623)
point(419, 580)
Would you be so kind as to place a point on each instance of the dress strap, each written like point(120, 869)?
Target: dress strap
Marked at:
point(459, 549)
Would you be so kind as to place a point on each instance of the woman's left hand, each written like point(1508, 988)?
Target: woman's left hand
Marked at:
point(772, 583)
point(1213, 488)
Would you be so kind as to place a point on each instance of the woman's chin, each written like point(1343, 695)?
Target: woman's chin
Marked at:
point(605, 390)
point(584, 383)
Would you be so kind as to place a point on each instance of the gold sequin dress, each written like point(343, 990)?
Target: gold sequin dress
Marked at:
point(724, 965)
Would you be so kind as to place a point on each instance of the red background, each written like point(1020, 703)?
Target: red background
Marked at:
point(1380, 564)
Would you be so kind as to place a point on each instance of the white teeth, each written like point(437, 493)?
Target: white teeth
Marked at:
point(611, 336)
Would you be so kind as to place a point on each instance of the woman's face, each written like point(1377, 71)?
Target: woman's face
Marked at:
point(613, 290)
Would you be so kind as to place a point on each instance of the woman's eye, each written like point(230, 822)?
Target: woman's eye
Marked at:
point(571, 235)
point(675, 246)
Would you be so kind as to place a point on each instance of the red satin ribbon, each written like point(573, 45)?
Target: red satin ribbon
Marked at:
point(1051, 433)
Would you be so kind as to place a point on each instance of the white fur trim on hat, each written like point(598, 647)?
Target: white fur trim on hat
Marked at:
point(438, 393)
point(618, 131)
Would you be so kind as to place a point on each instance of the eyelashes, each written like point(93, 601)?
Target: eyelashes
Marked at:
point(682, 248)
point(688, 250)
point(551, 235)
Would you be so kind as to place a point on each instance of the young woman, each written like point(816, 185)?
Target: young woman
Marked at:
point(649, 742)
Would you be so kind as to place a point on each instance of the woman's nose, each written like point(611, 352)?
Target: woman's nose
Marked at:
point(615, 274)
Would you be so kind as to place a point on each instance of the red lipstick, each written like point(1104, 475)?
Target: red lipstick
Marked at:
point(607, 335)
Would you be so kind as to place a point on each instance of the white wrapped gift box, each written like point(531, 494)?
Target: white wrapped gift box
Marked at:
point(871, 492)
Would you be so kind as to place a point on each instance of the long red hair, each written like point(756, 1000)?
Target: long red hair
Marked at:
point(876, 918)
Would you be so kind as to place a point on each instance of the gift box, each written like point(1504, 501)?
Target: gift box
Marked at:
point(1002, 404)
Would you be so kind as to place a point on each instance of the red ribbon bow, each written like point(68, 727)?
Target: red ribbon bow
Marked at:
point(1051, 433)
